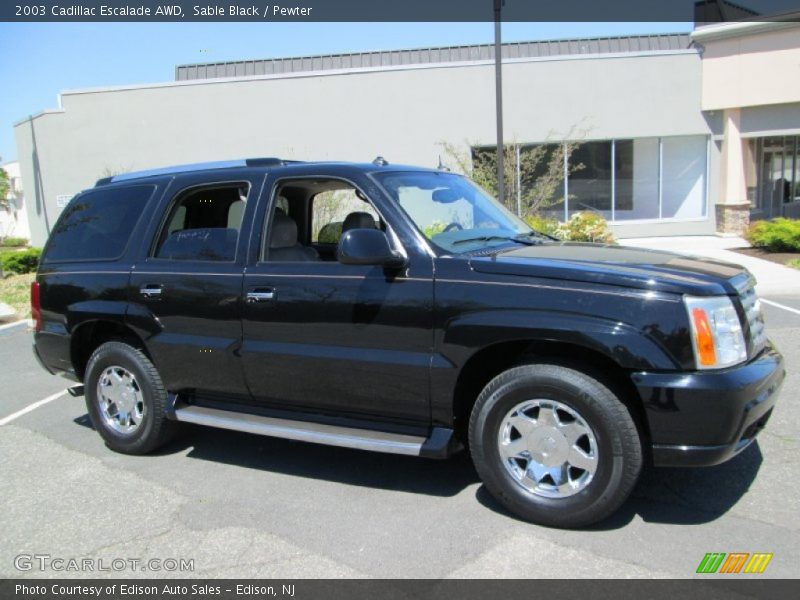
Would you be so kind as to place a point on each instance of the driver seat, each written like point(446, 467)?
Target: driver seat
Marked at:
point(358, 220)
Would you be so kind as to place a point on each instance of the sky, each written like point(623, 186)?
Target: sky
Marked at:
point(39, 60)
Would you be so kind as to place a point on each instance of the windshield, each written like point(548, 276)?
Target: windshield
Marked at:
point(452, 212)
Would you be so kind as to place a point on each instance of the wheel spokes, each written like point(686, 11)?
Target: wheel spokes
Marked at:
point(581, 460)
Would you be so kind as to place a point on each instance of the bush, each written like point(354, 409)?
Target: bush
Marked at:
point(13, 242)
point(542, 224)
point(25, 261)
point(433, 229)
point(581, 227)
point(778, 235)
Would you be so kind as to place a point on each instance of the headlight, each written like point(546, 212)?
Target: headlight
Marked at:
point(717, 334)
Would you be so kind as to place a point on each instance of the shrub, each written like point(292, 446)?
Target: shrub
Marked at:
point(778, 235)
point(13, 242)
point(542, 224)
point(585, 227)
point(25, 261)
point(435, 228)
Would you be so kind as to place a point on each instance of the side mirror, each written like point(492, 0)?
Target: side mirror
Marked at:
point(367, 247)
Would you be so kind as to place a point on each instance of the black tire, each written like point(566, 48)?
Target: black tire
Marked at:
point(155, 429)
point(619, 450)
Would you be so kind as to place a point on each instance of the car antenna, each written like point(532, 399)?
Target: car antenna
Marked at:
point(442, 166)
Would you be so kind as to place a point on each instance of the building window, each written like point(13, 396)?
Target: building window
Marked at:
point(772, 174)
point(589, 187)
point(683, 177)
point(627, 180)
point(636, 176)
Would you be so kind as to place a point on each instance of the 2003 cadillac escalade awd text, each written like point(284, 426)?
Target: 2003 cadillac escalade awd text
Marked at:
point(398, 309)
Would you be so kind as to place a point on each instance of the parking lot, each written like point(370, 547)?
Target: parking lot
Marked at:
point(245, 506)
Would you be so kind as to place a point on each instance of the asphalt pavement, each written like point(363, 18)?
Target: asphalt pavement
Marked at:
point(239, 505)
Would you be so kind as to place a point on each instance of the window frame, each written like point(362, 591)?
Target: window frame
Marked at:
point(266, 227)
point(45, 260)
point(159, 238)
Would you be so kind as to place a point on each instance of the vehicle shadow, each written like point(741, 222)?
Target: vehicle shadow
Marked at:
point(663, 495)
point(330, 463)
point(677, 496)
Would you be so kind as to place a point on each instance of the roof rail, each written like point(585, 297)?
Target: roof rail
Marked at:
point(225, 164)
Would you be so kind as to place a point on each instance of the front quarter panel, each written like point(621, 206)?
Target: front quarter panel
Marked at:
point(637, 329)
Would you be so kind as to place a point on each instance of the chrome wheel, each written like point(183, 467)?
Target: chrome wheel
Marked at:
point(548, 448)
point(120, 400)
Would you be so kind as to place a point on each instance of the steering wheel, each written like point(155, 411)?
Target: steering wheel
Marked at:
point(453, 227)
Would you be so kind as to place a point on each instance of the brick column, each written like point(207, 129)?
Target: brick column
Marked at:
point(733, 207)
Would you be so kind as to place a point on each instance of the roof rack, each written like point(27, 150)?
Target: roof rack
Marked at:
point(188, 168)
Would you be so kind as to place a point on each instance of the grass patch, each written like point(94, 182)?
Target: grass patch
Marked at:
point(15, 290)
point(794, 263)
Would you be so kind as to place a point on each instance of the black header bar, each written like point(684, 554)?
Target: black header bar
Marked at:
point(395, 11)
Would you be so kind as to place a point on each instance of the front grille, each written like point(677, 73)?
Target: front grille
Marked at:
point(755, 320)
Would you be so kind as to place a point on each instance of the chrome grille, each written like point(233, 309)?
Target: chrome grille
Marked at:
point(755, 320)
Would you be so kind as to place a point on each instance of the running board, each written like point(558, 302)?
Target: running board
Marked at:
point(438, 445)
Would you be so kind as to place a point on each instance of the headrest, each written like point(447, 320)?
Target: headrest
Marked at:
point(358, 220)
point(284, 231)
point(209, 243)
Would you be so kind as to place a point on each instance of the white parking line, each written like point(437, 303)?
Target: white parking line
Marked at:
point(783, 306)
point(16, 324)
point(30, 407)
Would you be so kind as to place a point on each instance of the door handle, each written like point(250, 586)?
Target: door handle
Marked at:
point(151, 290)
point(260, 295)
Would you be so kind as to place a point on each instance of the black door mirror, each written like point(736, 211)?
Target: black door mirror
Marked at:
point(367, 247)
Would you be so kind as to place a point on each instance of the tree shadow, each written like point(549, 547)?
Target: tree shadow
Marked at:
point(673, 496)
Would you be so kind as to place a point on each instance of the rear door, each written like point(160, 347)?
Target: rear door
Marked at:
point(185, 290)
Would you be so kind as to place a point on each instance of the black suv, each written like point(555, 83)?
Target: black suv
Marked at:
point(398, 309)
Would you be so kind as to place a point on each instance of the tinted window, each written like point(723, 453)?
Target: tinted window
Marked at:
point(204, 224)
point(97, 224)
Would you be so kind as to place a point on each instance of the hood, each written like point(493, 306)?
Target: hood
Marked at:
point(620, 266)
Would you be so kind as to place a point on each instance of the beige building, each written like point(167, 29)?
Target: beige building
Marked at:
point(679, 134)
point(751, 89)
point(14, 213)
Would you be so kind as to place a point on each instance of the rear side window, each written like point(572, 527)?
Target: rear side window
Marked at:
point(204, 224)
point(97, 224)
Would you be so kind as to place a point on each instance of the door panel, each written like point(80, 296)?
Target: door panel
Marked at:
point(340, 338)
point(191, 308)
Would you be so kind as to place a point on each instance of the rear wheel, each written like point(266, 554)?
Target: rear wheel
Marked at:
point(554, 445)
point(126, 399)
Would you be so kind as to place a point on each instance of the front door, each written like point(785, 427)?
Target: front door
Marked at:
point(328, 337)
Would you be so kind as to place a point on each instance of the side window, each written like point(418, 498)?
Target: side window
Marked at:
point(330, 209)
point(97, 224)
point(204, 224)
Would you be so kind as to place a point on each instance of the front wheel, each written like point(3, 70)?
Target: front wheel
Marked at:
point(554, 445)
point(126, 399)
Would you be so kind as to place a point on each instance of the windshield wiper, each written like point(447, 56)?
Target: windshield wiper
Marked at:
point(489, 238)
point(538, 234)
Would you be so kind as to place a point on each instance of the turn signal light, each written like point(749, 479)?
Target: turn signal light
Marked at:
point(706, 353)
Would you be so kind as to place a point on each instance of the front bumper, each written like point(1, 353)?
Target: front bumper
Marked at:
point(705, 418)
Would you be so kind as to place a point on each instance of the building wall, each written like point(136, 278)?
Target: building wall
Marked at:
point(14, 221)
point(750, 69)
point(402, 114)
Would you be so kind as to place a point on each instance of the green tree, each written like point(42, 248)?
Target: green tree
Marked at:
point(541, 169)
point(5, 188)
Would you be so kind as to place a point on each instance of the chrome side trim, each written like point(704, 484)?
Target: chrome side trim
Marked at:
point(317, 433)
